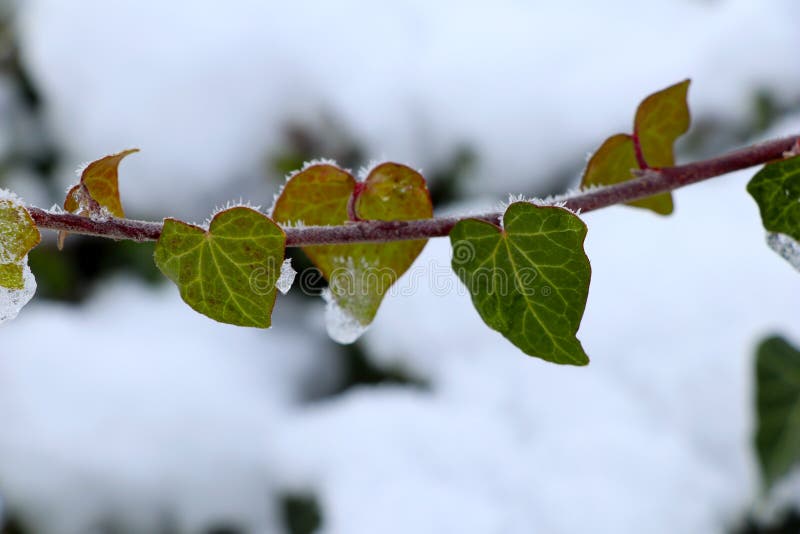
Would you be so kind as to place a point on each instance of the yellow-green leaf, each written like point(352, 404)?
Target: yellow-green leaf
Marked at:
point(660, 119)
point(359, 275)
point(18, 235)
point(613, 163)
point(227, 272)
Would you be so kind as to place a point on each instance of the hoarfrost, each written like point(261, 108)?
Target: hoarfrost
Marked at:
point(550, 201)
point(275, 198)
point(365, 170)
point(342, 327)
point(786, 247)
point(12, 300)
point(286, 278)
point(292, 224)
point(503, 206)
point(80, 168)
point(313, 163)
point(241, 203)
point(101, 215)
point(5, 194)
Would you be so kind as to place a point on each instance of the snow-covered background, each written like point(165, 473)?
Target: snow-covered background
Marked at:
point(132, 412)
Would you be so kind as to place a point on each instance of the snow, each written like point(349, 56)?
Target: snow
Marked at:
point(786, 247)
point(13, 300)
point(661, 415)
point(341, 326)
point(133, 406)
point(10, 196)
point(286, 277)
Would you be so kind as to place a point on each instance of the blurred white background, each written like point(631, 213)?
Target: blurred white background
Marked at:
point(123, 411)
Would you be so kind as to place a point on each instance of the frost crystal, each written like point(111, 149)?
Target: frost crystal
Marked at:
point(12, 300)
point(559, 201)
point(102, 215)
point(286, 278)
point(241, 203)
point(365, 170)
point(786, 247)
point(79, 170)
point(342, 327)
point(312, 163)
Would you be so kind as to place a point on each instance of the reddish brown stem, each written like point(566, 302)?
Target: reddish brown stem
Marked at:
point(648, 182)
point(637, 149)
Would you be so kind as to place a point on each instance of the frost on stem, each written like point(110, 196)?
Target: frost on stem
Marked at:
point(786, 247)
point(13, 300)
point(286, 278)
point(342, 327)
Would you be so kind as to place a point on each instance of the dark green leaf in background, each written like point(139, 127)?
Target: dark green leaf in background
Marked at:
point(777, 408)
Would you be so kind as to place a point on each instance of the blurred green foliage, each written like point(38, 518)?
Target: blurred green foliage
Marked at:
point(301, 514)
point(788, 523)
point(70, 274)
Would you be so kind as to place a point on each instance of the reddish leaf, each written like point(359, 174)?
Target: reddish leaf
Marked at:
point(359, 275)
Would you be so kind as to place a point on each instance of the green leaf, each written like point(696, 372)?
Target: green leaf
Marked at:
point(359, 275)
point(18, 235)
point(777, 408)
point(660, 119)
point(776, 190)
point(229, 271)
point(530, 279)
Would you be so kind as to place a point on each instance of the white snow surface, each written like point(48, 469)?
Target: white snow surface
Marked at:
point(134, 407)
point(204, 88)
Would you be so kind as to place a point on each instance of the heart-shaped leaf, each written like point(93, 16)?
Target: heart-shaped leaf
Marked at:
point(359, 275)
point(776, 190)
point(660, 119)
point(530, 279)
point(778, 408)
point(227, 272)
point(18, 235)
